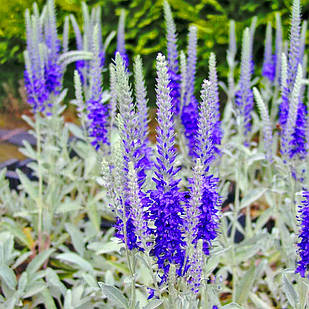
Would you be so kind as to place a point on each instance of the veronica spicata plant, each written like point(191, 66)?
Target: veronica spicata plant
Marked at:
point(202, 219)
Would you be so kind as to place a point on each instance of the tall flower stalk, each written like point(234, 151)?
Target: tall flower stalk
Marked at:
point(172, 56)
point(213, 79)
point(190, 109)
point(298, 137)
point(165, 208)
point(85, 40)
point(269, 64)
point(145, 150)
point(267, 128)
point(121, 49)
point(201, 220)
point(130, 144)
point(278, 44)
point(244, 96)
point(97, 110)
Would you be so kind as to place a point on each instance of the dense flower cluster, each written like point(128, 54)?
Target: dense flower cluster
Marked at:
point(204, 215)
point(97, 115)
point(208, 219)
point(36, 92)
point(166, 211)
point(297, 145)
point(165, 207)
point(174, 85)
point(43, 74)
point(53, 76)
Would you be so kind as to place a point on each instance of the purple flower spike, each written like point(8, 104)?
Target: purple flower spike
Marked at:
point(278, 48)
point(133, 136)
point(132, 145)
point(217, 132)
point(294, 57)
point(137, 214)
point(165, 207)
point(85, 41)
point(202, 218)
point(208, 219)
point(285, 92)
point(269, 69)
point(171, 37)
point(121, 39)
point(303, 245)
point(293, 138)
point(80, 64)
point(174, 85)
point(53, 76)
point(190, 110)
point(189, 118)
point(53, 70)
point(36, 91)
point(144, 152)
point(195, 270)
point(172, 56)
point(298, 142)
point(269, 65)
point(293, 112)
point(244, 96)
point(97, 111)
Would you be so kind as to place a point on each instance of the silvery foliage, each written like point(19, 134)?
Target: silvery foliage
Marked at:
point(51, 255)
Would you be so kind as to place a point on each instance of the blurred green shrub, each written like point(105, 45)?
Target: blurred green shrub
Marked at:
point(145, 30)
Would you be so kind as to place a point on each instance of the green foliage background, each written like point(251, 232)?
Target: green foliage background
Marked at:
point(145, 31)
